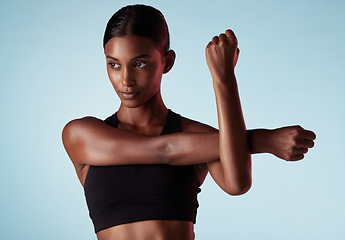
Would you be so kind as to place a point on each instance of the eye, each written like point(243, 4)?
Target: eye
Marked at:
point(114, 65)
point(140, 64)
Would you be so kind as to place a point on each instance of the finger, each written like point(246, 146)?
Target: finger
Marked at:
point(305, 143)
point(207, 49)
point(231, 35)
point(310, 135)
point(222, 37)
point(209, 44)
point(215, 39)
point(296, 158)
point(301, 150)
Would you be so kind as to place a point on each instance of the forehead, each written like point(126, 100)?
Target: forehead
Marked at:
point(130, 46)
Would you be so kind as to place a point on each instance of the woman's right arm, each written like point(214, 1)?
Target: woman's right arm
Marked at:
point(90, 141)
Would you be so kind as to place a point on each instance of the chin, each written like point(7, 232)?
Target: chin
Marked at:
point(130, 104)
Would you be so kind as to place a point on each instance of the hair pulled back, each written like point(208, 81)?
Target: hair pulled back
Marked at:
point(139, 20)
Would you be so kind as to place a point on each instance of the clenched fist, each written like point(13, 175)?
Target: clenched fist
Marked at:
point(289, 143)
point(221, 55)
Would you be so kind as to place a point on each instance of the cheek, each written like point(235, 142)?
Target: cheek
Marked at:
point(156, 73)
point(151, 80)
point(113, 77)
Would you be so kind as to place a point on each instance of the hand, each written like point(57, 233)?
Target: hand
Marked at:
point(222, 54)
point(290, 143)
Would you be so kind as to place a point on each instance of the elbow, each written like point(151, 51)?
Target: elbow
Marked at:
point(239, 187)
point(242, 189)
point(240, 181)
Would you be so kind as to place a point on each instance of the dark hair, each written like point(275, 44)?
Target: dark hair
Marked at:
point(139, 20)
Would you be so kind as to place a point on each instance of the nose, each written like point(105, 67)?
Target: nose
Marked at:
point(127, 78)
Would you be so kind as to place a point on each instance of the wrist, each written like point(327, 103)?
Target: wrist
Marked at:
point(223, 78)
point(259, 140)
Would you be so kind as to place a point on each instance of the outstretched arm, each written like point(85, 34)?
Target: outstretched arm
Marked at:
point(233, 175)
point(89, 141)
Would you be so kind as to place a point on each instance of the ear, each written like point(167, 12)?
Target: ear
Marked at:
point(169, 61)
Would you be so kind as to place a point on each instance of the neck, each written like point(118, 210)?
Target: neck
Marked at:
point(153, 112)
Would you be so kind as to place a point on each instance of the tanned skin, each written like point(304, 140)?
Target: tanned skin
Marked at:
point(135, 68)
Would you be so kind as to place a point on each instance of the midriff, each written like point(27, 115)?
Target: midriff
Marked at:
point(149, 230)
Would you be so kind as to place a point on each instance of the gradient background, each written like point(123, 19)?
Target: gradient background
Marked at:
point(290, 71)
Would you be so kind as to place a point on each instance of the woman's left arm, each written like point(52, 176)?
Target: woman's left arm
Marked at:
point(233, 171)
point(233, 174)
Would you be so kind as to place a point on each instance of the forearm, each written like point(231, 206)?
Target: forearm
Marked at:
point(234, 150)
point(190, 148)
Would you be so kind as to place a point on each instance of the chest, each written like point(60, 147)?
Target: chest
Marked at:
point(108, 182)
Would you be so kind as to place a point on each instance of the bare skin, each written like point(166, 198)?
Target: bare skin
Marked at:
point(146, 230)
point(135, 70)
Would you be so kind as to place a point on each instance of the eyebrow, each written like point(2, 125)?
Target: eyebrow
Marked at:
point(137, 57)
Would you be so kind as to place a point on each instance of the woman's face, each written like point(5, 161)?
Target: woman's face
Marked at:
point(135, 67)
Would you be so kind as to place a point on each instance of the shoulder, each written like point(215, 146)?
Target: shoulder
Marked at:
point(75, 133)
point(75, 128)
point(82, 121)
point(79, 123)
point(189, 125)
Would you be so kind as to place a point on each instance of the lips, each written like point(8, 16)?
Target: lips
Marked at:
point(129, 95)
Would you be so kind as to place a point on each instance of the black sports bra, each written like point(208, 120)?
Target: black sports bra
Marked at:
point(128, 193)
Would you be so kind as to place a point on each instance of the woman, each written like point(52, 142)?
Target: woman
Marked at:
point(142, 167)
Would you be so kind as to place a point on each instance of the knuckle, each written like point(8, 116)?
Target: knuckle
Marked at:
point(289, 153)
point(296, 129)
point(215, 39)
point(300, 131)
point(229, 31)
point(294, 141)
point(222, 36)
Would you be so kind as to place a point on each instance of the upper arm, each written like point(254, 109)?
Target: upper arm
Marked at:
point(93, 142)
